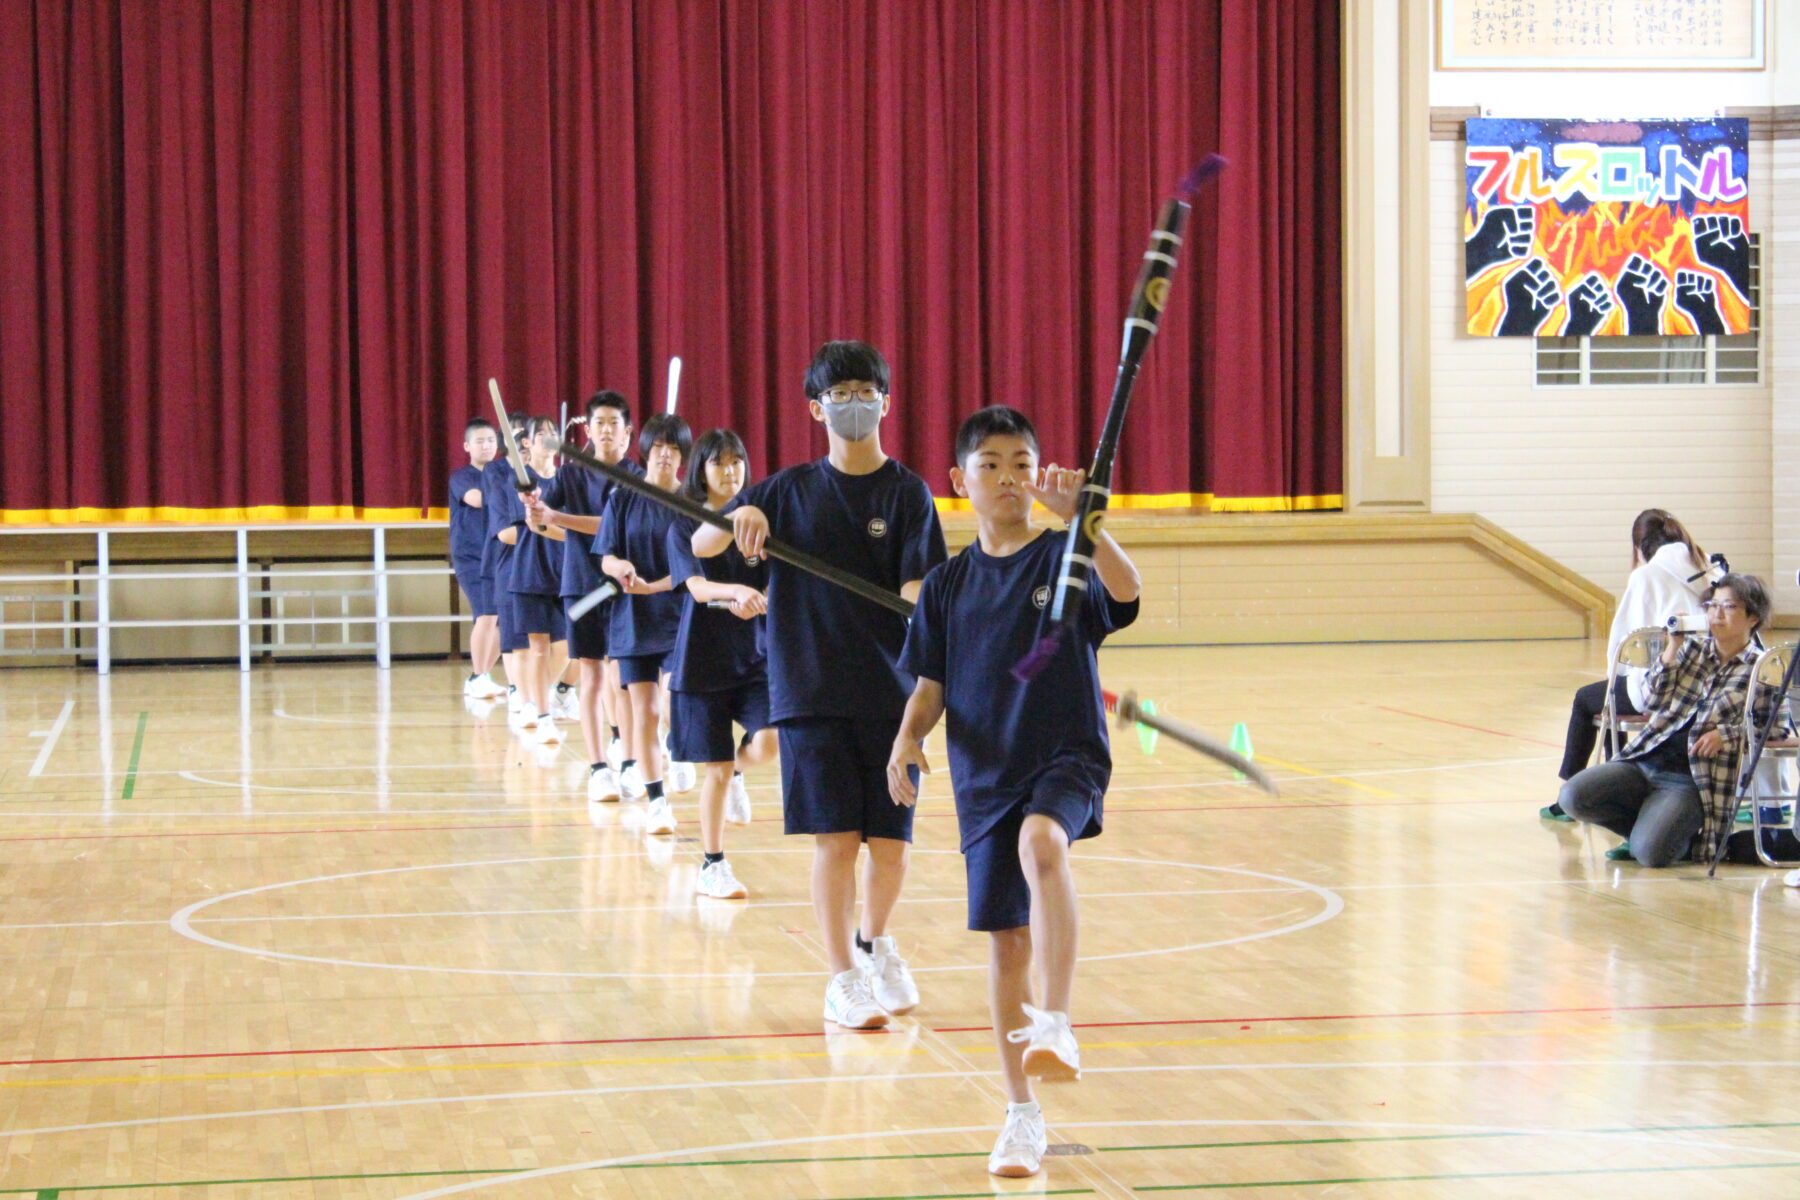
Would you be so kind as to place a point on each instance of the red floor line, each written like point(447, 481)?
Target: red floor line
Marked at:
point(808, 1033)
point(1478, 729)
point(1478, 1012)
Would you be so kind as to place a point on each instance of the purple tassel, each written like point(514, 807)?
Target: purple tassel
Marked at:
point(1209, 166)
point(1033, 664)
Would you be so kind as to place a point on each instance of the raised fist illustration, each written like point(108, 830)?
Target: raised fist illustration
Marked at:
point(1641, 287)
point(1504, 234)
point(1721, 243)
point(1589, 302)
point(1698, 297)
point(1531, 293)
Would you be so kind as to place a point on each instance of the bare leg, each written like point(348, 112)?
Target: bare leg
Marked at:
point(763, 747)
point(882, 876)
point(648, 750)
point(621, 708)
point(532, 672)
point(1055, 911)
point(511, 658)
point(587, 702)
point(484, 644)
point(712, 807)
point(834, 894)
point(1009, 987)
point(556, 666)
point(571, 672)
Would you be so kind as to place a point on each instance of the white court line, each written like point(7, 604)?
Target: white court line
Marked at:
point(908, 1077)
point(366, 722)
point(183, 922)
point(1654, 1137)
point(50, 736)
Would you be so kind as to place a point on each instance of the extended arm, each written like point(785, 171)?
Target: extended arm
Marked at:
point(923, 711)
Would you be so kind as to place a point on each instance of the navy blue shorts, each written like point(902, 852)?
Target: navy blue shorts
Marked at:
point(533, 613)
point(834, 778)
point(700, 722)
point(641, 668)
point(999, 897)
point(587, 636)
point(510, 637)
point(477, 587)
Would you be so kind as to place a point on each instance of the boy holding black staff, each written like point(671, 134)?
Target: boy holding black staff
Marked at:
point(633, 548)
point(836, 690)
point(1030, 761)
point(468, 543)
point(574, 501)
point(500, 498)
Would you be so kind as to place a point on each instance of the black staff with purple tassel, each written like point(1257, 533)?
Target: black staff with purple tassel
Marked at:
point(1148, 297)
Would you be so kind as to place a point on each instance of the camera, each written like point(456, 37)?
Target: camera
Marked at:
point(1687, 623)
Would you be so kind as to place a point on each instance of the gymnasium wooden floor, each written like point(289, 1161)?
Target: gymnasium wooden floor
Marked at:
point(318, 931)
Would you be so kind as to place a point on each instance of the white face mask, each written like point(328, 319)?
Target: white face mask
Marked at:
point(853, 420)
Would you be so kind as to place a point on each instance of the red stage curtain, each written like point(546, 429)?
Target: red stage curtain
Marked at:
point(263, 254)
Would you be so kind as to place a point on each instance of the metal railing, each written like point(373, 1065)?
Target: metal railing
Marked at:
point(254, 582)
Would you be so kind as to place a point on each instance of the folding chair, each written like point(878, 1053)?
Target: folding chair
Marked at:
point(1638, 649)
point(1772, 790)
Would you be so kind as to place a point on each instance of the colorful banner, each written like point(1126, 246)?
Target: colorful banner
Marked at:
point(1607, 228)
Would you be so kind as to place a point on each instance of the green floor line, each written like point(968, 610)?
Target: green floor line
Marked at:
point(1282, 1183)
point(137, 746)
point(41, 1192)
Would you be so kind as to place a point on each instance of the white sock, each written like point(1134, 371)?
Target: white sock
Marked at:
point(1028, 1109)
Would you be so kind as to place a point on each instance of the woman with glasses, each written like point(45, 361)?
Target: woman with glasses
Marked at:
point(1674, 785)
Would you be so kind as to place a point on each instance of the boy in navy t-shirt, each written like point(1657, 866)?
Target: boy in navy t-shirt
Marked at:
point(718, 672)
point(633, 548)
point(1029, 761)
point(468, 542)
point(574, 501)
point(534, 581)
point(836, 690)
point(505, 509)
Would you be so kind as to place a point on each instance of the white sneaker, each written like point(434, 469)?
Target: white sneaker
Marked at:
point(1792, 879)
point(483, 687)
point(849, 1004)
point(658, 818)
point(547, 730)
point(603, 786)
point(737, 802)
point(631, 783)
point(890, 979)
point(514, 701)
point(522, 717)
point(1019, 1151)
point(681, 776)
point(717, 881)
point(1052, 1054)
point(563, 705)
point(615, 753)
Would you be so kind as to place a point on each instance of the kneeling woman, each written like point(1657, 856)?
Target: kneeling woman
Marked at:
point(1672, 787)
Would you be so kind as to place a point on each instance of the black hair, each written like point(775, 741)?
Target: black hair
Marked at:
point(714, 443)
point(536, 425)
point(994, 421)
point(840, 362)
point(1750, 592)
point(607, 398)
point(667, 428)
point(476, 426)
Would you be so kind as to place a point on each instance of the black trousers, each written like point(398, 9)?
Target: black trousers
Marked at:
point(1578, 746)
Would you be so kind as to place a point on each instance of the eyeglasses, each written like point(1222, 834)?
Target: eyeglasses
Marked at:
point(1722, 606)
point(846, 395)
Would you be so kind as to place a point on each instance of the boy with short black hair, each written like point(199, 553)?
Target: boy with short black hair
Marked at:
point(505, 510)
point(534, 580)
point(633, 548)
point(1030, 762)
point(836, 689)
point(468, 541)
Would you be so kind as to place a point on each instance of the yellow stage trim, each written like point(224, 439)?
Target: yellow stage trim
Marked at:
point(1204, 501)
point(218, 516)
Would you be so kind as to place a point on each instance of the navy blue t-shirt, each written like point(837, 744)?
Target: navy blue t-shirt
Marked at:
point(715, 649)
point(468, 525)
point(977, 616)
point(833, 653)
point(537, 562)
point(500, 497)
point(636, 528)
point(583, 493)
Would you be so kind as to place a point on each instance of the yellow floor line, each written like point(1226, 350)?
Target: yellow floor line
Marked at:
point(1349, 783)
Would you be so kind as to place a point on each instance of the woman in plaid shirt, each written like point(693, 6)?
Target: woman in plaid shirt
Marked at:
point(1674, 786)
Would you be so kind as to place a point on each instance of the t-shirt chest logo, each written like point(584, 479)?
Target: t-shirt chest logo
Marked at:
point(877, 528)
point(1041, 597)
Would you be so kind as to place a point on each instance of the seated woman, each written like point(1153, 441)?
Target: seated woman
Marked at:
point(1673, 787)
point(1668, 573)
